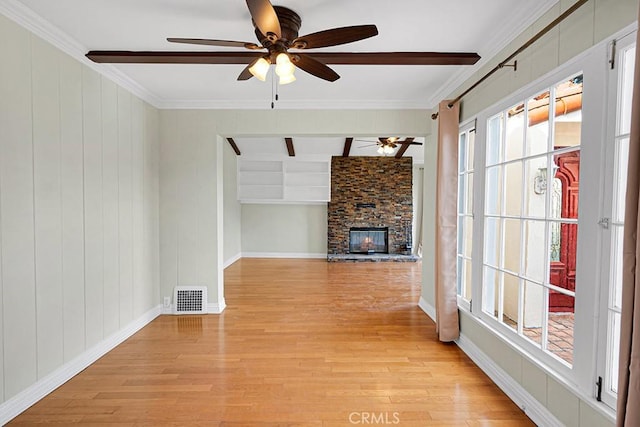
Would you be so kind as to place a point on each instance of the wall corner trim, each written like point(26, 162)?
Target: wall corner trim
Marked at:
point(535, 410)
point(427, 308)
point(231, 260)
point(216, 308)
point(23, 400)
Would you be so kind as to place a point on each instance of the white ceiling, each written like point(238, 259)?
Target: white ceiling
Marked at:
point(404, 25)
point(485, 27)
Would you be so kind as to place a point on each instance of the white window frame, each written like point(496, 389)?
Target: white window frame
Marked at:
point(607, 212)
point(466, 129)
point(579, 376)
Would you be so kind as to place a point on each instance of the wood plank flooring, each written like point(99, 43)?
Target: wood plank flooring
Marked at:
point(301, 343)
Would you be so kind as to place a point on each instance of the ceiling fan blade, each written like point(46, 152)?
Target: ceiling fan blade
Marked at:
point(211, 42)
point(335, 36)
point(396, 58)
point(142, 57)
point(264, 16)
point(246, 74)
point(314, 67)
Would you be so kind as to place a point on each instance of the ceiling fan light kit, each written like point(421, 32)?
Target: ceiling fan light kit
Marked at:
point(260, 68)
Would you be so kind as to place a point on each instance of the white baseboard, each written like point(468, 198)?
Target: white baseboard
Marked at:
point(231, 260)
point(427, 308)
point(212, 308)
point(23, 400)
point(535, 410)
point(216, 308)
point(284, 255)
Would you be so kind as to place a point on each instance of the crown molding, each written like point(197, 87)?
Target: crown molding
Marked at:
point(27, 18)
point(498, 42)
point(308, 104)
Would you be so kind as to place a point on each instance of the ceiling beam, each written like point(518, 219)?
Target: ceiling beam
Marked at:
point(290, 149)
point(404, 147)
point(338, 58)
point(347, 147)
point(234, 146)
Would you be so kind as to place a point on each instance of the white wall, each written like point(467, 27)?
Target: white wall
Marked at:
point(591, 24)
point(78, 209)
point(279, 230)
point(232, 208)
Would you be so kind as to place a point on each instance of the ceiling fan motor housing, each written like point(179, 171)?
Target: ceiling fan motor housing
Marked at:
point(290, 23)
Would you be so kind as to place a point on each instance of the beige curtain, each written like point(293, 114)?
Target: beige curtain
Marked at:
point(447, 323)
point(629, 375)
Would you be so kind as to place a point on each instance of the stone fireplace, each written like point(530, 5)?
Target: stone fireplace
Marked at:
point(371, 201)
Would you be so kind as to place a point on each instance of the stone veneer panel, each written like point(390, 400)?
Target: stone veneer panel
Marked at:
point(385, 182)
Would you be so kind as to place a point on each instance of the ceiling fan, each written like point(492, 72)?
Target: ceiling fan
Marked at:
point(276, 28)
point(388, 144)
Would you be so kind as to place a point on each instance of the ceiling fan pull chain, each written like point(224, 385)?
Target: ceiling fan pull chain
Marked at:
point(273, 98)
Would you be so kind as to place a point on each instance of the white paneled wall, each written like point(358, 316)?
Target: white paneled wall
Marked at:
point(79, 209)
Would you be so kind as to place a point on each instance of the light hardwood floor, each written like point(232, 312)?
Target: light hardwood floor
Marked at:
point(302, 342)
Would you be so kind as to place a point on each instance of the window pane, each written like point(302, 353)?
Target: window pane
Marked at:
point(566, 252)
point(460, 272)
point(461, 234)
point(621, 179)
point(492, 241)
point(462, 152)
point(560, 333)
point(514, 145)
point(535, 187)
point(512, 246)
point(511, 301)
point(616, 280)
point(533, 311)
point(494, 140)
point(567, 167)
point(568, 120)
point(461, 193)
point(513, 187)
point(538, 128)
point(614, 350)
point(493, 202)
point(626, 92)
point(491, 282)
point(469, 189)
point(534, 259)
point(467, 280)
point(468, 236)
point(471, 141)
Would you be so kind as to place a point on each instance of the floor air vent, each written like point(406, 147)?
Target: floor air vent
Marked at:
point(190, 300)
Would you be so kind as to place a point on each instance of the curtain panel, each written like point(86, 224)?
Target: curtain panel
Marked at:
point(447, 322)
point(628, 411)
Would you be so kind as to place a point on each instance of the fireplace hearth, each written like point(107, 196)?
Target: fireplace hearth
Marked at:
point(369, 240)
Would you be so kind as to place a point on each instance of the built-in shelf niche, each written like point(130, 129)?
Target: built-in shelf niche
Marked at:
point(284, 181)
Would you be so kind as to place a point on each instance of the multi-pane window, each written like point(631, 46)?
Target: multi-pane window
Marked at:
point(549, 218)
point(466, 145)
point(532, 172)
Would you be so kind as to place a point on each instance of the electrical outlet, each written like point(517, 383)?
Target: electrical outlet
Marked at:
point(167, 302)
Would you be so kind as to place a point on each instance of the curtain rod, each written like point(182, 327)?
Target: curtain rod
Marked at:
point(531, 41)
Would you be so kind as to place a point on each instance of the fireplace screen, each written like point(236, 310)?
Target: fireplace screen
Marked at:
point(366, 240)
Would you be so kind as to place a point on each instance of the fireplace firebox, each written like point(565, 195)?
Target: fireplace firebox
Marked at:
point(369, 240)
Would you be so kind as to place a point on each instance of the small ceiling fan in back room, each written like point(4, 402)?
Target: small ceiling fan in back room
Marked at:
point(276, 28)
point(388, 144)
